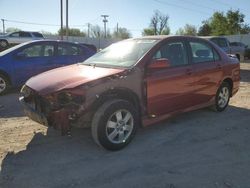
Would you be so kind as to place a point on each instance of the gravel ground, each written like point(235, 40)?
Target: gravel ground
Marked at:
point(199, 149)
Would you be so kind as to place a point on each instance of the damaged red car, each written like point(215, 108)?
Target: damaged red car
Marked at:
point(135, 82)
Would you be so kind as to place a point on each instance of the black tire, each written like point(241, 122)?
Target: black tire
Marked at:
point(4, 44)
point(101, 132)
point(220, 102)
point(4, 84)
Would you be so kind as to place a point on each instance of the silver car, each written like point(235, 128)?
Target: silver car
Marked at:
point(224, 44)
point(19, 37)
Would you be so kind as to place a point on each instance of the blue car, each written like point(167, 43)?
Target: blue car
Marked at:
point(19, 63)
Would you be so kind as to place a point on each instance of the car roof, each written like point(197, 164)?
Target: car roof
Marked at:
point(163, 37)
point(51, 40)
point(213, 37)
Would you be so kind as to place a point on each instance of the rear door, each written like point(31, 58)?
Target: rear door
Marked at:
point(68, 54)
point(207, 67)
point(170, 89)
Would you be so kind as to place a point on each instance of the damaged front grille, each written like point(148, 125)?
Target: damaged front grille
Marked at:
point(35, 101)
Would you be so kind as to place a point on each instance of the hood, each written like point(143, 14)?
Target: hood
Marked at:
point(68, 77)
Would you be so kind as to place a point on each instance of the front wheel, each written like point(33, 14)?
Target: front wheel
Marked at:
point(114, 124)
point(222, 97)
point(4, 84)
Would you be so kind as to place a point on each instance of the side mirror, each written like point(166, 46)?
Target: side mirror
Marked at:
point(159, 63)
point(20, 55)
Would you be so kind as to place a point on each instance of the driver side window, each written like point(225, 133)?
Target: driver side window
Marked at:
point(174, 51)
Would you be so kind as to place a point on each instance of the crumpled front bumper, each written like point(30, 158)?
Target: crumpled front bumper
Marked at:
point(32, 113)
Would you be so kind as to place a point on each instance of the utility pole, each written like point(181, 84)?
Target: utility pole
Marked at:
point(88, 29)
point(105, 22)
point(67, 20)
point(117, 28)
point(3, 26)
point(61, 20)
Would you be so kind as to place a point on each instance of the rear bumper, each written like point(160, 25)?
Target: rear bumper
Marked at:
point(32, 113)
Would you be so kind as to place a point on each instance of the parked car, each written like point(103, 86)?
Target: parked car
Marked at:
point(224, 44)
point(131, 83)
point(239, 47)
point(19, 37)
point(19, 63)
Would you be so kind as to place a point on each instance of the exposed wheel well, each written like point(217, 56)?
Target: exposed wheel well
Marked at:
point(230, 82)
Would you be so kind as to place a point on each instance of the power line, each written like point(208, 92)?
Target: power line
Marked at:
point(197, 4)
point(182, 7)
point(30, 23)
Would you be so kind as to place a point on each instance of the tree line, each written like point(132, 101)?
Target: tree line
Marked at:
point(220, 23)
point(230, 23)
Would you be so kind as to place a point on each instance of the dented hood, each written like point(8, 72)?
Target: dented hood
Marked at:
point(68, 77)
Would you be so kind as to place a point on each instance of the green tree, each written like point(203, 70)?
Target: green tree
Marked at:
point(122, 33)
point(158, 25)
point(12, 29)
point(72, 32)
point(220, 23)
point(205, 29)
point(235, 19)
point(148, 31)
point(187, 30)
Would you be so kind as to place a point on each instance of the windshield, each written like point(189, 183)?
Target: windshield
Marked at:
point(122, 54)
point(12, 48)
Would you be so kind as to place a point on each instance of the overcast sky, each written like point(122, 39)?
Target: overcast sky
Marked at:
point(132, 14)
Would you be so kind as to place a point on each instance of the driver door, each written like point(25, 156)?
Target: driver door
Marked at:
point(170, 89)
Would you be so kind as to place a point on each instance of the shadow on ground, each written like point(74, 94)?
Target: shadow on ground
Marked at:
point(196, 149)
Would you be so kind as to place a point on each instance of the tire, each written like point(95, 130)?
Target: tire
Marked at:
point(4, 44)
point(4, 84)
point(222, 97)
point(114, 124)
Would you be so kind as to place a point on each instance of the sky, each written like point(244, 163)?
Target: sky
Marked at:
point(131, 14)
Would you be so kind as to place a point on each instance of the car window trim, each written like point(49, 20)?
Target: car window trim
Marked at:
point(162, 43)
point(208, 44)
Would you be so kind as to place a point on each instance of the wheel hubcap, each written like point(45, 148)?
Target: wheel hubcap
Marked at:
point(119, 126)
point(223, 97)
point(3, 44)
point(2, 85)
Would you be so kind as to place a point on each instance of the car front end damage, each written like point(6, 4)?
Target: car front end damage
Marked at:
point(58, 110)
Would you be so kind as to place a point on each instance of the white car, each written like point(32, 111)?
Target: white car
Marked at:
point(19, 37)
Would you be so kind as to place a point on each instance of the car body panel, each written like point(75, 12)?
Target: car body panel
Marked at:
point(160, 93)
point(68, 77)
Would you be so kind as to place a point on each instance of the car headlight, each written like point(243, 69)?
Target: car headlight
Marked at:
point(26, 91)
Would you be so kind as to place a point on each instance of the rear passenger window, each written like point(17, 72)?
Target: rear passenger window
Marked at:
point(202, 52)
point(67, 49)
point(25, 34)
point(175, 52)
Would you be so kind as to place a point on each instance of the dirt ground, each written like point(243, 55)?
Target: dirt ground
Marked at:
point(200, 149)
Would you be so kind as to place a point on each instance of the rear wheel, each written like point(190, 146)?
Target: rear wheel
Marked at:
point(222, 97)
point(114, 124)
point(4, 84)
point(3, 44)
